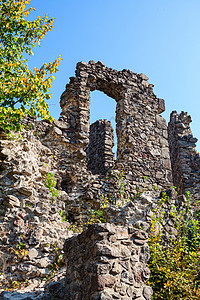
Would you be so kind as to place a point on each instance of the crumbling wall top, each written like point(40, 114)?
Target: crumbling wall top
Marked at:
point(184, 156)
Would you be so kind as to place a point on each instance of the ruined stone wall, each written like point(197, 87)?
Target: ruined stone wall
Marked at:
point(33, 232)
point(31, 227)
point(141, 134)
point(141, 131)
point(142, 151)
point(69, 148)
point(99, 152)
point(184, 156)
point(107, 262)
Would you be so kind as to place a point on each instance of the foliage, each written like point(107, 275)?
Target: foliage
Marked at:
point(77, 228)
point(96, 216)
point(16, 284)
point(104, 201)
point(174, 263)
point(57, 256)
point(20, 246)
point(14, 136)
point(63, 217)
point(22, 91)
point(50, 183)
point(21, 253)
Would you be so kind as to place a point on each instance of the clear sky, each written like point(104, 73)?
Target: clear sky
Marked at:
point(160, 38)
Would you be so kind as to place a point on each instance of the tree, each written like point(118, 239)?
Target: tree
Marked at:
point(22, 91)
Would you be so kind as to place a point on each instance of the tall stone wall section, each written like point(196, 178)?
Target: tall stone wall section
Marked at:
point(99, 152)
point(142, 145)
point(184, 156)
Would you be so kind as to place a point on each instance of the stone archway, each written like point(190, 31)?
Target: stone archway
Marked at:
point(76, 110)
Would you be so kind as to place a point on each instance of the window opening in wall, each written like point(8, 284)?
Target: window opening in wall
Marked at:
point(100, 154)
point(103, 107)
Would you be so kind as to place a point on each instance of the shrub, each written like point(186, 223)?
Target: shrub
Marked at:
point(50, 183)
point(175, 250)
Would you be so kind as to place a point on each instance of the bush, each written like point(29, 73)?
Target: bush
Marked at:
point(175, 250)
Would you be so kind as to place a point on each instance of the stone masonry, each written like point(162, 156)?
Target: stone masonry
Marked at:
point(112, 256)
point(142, 146)
point(31, 228)
point(107, 262)
point(184, 156)
point(99, 153)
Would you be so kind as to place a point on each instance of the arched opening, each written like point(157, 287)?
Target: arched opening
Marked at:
point(103, 136)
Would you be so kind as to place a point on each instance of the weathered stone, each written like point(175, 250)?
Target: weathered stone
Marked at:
point(146, 197)
point(116, 268)
point(143, 76)
point(102, 249)
point(57, 131)
point(11, 201)
point(120, 288)
point(137, 292)
point(21, 296)
point(60, 124)
point(127, 277)
point(5, 152)
point(146, 274)
point(103, 268)
point(161, 105)
point(101, 137)
point(110, 271)
point(147, 292)
point(33, 253)
point(43, 262)
point(140, 234)
point(161, 122)
point(25, 190)
point(106, 261)
point(184, 157)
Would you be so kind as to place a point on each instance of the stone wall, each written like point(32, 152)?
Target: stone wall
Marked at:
point(141, 132)
point(31, 226)
point(81, 159)
point(184, 156)
point(107, 262)
point(31, 222)
point(99, 152)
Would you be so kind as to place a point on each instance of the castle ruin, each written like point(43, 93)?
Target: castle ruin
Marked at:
point(113, 256)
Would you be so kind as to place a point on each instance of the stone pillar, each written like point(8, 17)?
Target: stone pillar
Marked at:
point(107, 262)
point(75, 104)
point(184, 157)
point(99, 153)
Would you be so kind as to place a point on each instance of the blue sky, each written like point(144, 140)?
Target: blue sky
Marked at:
point(160, 38)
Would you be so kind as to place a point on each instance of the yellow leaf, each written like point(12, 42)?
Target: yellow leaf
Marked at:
point(26, 13)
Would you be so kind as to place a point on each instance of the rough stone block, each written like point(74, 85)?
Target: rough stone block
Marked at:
point(161, 105)
point(108, 265)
